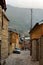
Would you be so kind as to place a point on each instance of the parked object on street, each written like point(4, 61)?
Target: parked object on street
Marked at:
point(17, 50)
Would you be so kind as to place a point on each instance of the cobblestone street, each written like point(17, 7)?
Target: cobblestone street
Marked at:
point(20, 59)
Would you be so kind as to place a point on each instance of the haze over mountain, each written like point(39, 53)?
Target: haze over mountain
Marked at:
point(20, 18)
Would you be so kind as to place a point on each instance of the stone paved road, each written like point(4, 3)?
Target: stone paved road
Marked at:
point(20, 59)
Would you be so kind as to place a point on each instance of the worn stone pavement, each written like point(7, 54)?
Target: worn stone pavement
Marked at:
point(21, 59)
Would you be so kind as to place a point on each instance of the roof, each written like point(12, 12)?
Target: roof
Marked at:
point(37, 24)
point(12, 30)
point(3, 4)
point(41, 22)
point(5, 16)
point(34, 27)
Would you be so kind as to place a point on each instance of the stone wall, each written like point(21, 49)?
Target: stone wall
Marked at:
point(13, 41)
point(0, 30)
point(41, 51)
point(34, 50)
point(4, 44)
point(3, 36)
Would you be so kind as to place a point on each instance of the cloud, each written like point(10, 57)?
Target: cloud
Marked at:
point(26, 3)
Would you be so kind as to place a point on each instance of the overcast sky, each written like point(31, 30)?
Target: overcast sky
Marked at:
point(26, 3)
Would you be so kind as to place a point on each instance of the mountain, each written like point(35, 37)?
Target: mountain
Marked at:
point(20, 18)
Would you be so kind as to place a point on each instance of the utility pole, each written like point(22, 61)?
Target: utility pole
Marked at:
point(30, 37)
point(31, 20)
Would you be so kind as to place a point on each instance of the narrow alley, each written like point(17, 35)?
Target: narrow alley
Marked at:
point(21, 32)
point(23, 58)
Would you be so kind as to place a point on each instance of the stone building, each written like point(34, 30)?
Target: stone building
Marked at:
point(21, 44)
point(3, 36)
point(27, 43)
point(35, 35)
point(3, 32)
point(24, 43)
point(13, 40)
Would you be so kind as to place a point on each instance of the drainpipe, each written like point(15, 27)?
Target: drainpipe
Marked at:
point(31, 20)
point(30, 37)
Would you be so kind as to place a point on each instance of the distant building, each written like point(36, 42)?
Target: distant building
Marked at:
point(13, 40)
point(21, 43)
point(36, 36)
point(25, 43)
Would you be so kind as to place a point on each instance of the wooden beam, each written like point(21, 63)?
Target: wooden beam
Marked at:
point(3, 4)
